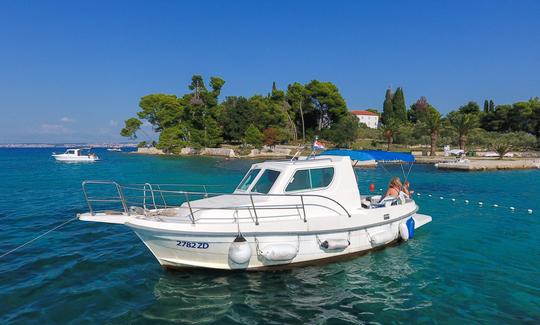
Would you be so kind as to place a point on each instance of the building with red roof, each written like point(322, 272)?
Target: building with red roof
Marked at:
point(368, 118)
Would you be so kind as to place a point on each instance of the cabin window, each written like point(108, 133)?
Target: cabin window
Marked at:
point(309, 179)
point(248, 179)
point(265, 182)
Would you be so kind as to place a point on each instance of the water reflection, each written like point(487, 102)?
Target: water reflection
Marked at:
point(348, 291)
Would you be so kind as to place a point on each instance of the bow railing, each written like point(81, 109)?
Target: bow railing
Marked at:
point(150, 199)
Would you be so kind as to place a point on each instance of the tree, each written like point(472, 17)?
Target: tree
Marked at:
point(418, 110)
point(271, 136)
point(344, 132)
point(389, 130)
point(296, 97)
point(491, 105)
point(388, 111)
point(462, 123)
point(486, 106)
point(327, 106)
point(398, 106)
point(253, 136)
point(431, 121)
point(171, 139)
point(131, 127)
point(160, 110)
point(235, 116)
point(470, 108)
point(504, 143)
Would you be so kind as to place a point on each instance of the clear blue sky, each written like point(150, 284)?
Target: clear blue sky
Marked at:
point(74, 70)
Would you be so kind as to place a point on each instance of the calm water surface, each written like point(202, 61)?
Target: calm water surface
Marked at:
point(470, 265)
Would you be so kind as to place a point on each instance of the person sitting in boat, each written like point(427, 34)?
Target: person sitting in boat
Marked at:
point(394, 187)
point(406, 189)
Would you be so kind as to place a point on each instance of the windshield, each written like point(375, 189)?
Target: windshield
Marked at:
point(265, 182)
point(248, 179)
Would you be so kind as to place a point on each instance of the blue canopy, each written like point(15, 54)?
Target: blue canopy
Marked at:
point(377, 155)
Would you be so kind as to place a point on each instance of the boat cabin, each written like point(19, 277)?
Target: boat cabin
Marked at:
point(330, 176)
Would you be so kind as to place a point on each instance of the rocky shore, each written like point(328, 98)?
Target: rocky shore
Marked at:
point(228, 152)
point(441, 162)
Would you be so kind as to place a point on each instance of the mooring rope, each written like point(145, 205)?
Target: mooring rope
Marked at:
point(38, 237)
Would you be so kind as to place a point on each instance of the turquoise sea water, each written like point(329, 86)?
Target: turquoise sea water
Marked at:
point(470, 265)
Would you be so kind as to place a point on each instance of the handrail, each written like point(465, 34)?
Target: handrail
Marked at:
point(120, 199)
point(124, 200)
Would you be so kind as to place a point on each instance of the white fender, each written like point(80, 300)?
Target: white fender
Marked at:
point(403, 231)
point(383, 237)
point(335, 244)
point(239, 251)
point(279, 252)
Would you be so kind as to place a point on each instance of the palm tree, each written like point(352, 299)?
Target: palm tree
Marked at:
point(389, 131)
point(432, 122)
point(462, 123)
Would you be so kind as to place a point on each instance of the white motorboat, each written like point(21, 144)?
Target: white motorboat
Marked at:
point(459, 161)
point(114, 149)
point(76, 155)
point(282, 214)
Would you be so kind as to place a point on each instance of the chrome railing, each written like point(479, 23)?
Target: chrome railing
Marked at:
point(152, 197)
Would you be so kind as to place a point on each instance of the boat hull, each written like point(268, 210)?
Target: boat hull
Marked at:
point(74, 159)
point(185, 250)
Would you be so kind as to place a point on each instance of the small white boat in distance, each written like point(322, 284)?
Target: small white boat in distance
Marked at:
point(282, 214)
point(115, 149)
point(76, 155)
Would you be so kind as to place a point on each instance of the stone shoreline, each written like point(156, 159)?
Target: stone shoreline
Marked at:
point(481, 164)
point(277, 152)
point(446, 163)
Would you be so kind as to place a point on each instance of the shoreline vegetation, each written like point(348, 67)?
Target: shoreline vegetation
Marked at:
point(197, 122)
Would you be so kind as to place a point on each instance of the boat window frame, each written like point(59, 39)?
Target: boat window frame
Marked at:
point(252, 182)
point(256, 180)
point(310, 189)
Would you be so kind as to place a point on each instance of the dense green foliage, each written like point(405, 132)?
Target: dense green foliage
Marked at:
point(253, 136)
point(198, 119)
point(304, 111)
point(131, 127)
point(502, 143)
point(388, 109)
point(399, 108)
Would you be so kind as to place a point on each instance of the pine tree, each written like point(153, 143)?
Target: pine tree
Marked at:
point(491, 106)
point(399, 108)
point(387, 106)
point(486, 106)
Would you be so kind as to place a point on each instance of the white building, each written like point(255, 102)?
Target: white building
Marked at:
point(368, 118)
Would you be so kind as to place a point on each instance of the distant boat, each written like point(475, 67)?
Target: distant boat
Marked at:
point(76, 155)
point(115, 149)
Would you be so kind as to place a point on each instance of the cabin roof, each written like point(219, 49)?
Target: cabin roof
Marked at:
point(316, 161)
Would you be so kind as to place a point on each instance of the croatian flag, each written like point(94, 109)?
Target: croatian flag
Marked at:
point(317, 145)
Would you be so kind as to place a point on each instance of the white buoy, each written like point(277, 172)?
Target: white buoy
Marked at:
point(418, 194)
point(453, 200)
point(512, 208)
point(495, 205)
point(429, 195)
point(403, 231)
point(239, 250)
point(335, 244)
point(529, 210)
point(466, 201)
point(480, 203)
point(441, 197)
